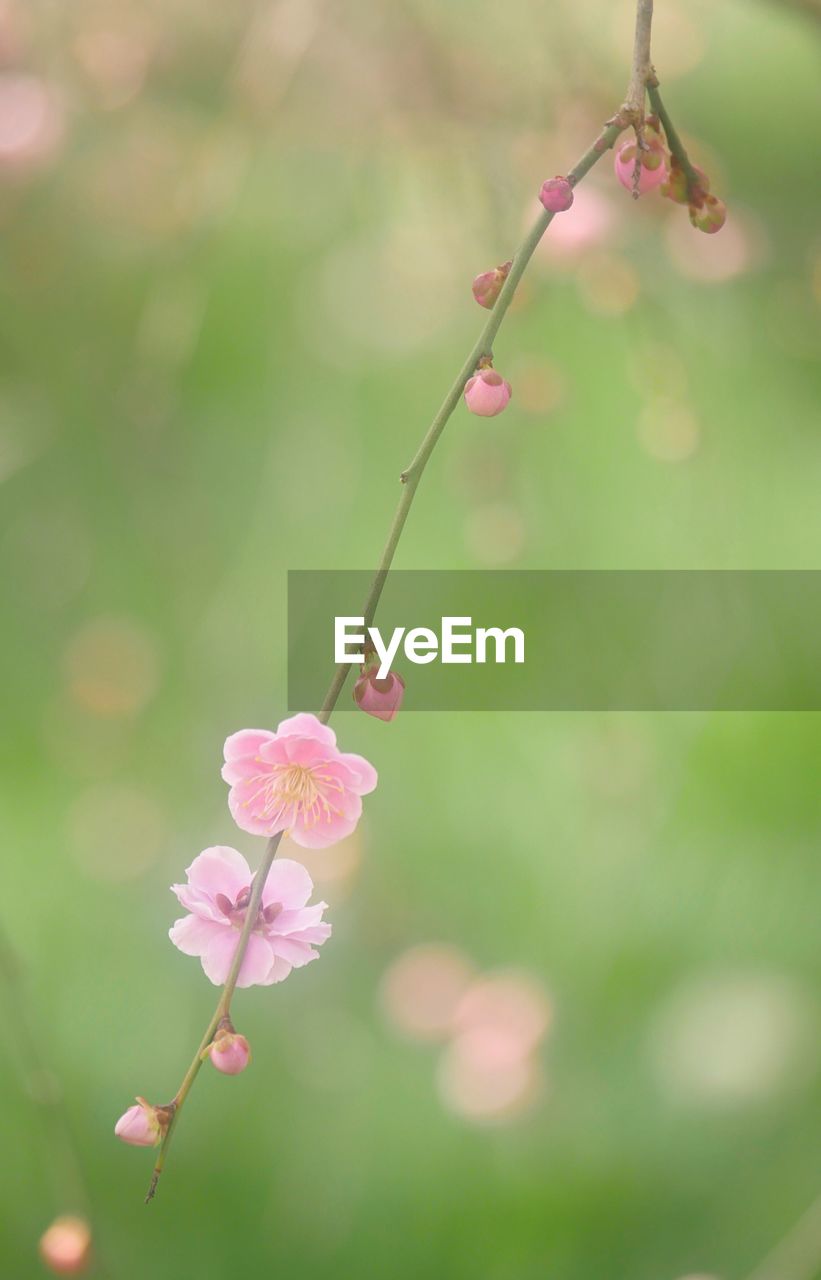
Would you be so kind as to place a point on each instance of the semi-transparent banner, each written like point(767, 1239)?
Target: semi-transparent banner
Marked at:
point(565, 640)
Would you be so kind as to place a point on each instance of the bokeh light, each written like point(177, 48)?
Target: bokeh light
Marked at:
point(112, 666)
point(65, 1247)
point(116, 831)
point(421, 990)
point(31, 122)
point(732, 1039)
point(485, 1076)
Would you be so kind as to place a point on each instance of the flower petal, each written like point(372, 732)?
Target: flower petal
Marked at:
point(256, 963)
point(296, 953)
point(193, 936)
point(200, 904)
point(318, 835)
point(247, 820)
point(246, 742)
point(278, 972)
point(289, 884)
point(363, 771)
point(291, 919)
point(219, 869)
point(306, 725)
point(315, 934)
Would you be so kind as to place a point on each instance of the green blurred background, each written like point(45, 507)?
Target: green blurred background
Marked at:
point(237, 246)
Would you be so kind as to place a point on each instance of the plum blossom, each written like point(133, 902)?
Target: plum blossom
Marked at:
point(295, 780)
point(217, 895)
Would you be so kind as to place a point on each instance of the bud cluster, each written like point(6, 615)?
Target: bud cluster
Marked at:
point(707, 212)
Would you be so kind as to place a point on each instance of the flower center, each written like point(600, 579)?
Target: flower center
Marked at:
point(235, 912)
point(296, 791)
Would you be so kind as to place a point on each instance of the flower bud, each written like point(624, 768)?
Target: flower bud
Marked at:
point(65, 1246)
point(229, 1052)
point(677, 187)
point(711, 216)
point(653, 169)
point(488, 285)
point(487, 393)
point(556, 194)
point(143, 1125)
point(380, 698)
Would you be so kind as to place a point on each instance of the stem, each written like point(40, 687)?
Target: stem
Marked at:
point(631, 113)
point(411, 477)
point(222, 1010)
point(674, 142)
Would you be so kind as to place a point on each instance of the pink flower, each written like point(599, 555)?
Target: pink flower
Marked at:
point(143, 1125)
point(653, 166)
point(295, 780)
point(487, 393)
point(380, 698)
point(229, 1052)
point(556, 195)
point(217, 896)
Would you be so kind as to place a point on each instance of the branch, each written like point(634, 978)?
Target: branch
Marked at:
point(632, 112)
point(633, 107)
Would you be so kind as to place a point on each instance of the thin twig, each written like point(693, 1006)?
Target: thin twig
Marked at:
point(410, 479)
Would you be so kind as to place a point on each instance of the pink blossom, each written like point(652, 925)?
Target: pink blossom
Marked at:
point(487, 393)
point(217, 895)
point(142, 1125)
point(556, 194)
point(653, 166)
point(380, 698)
point(295, 780)
point(229, 1052)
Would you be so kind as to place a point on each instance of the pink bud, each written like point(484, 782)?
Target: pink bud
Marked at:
point(653, 166)
point(65, 1247)
point(488, 285)
point(143, 1125)
point(380, 698)
point(711, 216)
point(556, 194)
point(230, 1053)
point(487, 393)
